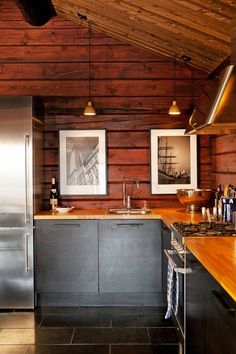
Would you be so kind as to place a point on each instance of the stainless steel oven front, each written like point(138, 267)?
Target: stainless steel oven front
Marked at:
point(177, 258)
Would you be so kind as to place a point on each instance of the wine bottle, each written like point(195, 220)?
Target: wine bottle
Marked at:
point(218, 196)
point(53, 195)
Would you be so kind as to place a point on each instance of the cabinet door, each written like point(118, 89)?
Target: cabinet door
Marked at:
point(130, 256)
point(221, 323)
point(210, 314)
point(16, 269)
point(197, 290)
point(67, 256)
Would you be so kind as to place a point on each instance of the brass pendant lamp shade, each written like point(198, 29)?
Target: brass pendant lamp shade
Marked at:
point(89, 109)
point(174, 109)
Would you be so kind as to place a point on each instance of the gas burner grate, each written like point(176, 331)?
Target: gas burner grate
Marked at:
point(204, 229)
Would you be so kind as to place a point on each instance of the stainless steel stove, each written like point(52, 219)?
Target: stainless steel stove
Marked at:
point(202, 229)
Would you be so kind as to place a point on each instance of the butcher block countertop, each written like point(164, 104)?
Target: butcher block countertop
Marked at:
point(217, 255)
point(168, 216)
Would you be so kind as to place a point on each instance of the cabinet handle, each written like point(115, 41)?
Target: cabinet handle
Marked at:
point(223, 303)
point(68, 225)
point(26, 253)
point(130, 225)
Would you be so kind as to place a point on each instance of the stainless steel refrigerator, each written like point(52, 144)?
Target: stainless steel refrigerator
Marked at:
point(16, 202)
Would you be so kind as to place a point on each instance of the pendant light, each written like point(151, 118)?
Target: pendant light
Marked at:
point(89, 109)
point(174, 109)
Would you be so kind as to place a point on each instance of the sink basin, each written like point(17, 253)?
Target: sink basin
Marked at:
point(129, 211)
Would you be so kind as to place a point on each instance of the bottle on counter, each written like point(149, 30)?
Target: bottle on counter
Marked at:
point(53, 195)
point(218, 206)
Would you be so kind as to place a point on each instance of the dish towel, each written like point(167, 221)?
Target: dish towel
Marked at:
point(172, 290)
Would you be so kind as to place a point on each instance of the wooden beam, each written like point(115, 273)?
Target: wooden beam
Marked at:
point(37, 12)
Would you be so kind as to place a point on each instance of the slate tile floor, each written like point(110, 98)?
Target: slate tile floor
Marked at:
point(87, 330)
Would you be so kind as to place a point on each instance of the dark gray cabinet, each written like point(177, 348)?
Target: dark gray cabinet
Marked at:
point(197, 290)
point(130, 256)
point(67, 256)
point(221, 323)
point(210, 314)
point(99, 262)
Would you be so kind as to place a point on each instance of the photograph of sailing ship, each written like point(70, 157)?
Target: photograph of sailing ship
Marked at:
point(174, 160)
point(83, 162)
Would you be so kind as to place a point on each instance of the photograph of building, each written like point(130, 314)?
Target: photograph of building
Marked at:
point(82, 160)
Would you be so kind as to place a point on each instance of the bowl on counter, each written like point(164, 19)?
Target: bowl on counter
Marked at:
point(64, 210)
point(194, 199)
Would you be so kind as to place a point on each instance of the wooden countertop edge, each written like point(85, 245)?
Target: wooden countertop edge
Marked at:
point(168, 216)
point(218, 256)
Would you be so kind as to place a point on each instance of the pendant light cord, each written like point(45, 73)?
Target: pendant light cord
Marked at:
point(174, 66)
point(89, 57)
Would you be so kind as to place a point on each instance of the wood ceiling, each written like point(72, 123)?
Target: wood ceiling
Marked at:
point(199, 29)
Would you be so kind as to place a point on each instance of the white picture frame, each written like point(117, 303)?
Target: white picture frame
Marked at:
point(82, 159)
point(173, 161)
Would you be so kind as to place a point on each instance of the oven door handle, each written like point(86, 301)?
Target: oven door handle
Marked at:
point(168, 254)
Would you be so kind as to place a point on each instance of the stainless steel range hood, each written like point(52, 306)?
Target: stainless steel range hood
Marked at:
point(215, 112)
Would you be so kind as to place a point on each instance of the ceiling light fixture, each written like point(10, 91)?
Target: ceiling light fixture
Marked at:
point(174, 109)
point(89, 109)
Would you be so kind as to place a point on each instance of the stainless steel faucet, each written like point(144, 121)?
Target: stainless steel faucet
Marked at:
point(127, 199)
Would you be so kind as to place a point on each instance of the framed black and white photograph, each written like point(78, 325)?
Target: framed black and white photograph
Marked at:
point(173, 161)
point(83, 162)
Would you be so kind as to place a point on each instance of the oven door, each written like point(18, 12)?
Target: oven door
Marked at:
point(177, 261)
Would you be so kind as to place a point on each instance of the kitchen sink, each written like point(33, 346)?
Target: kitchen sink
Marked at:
point(129, 211)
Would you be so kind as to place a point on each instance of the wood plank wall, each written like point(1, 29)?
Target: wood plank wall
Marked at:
point(131, 90)
point(223, 160)
point(128, 156)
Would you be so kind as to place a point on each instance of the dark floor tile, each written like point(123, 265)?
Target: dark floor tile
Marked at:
point(144, 349)
point(111, 335)
point(69, 349)
point(163, 335)
point(109, 311)
point(19, 320)
point(13, 349)
point(53, 335)
point(154, 310)
point(78, 320)
point(95, 313)
point(55, 310)
point(141, 320)
point(125, 310)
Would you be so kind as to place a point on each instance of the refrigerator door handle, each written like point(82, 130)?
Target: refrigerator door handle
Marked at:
point(26, 177)
point(26, 253)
